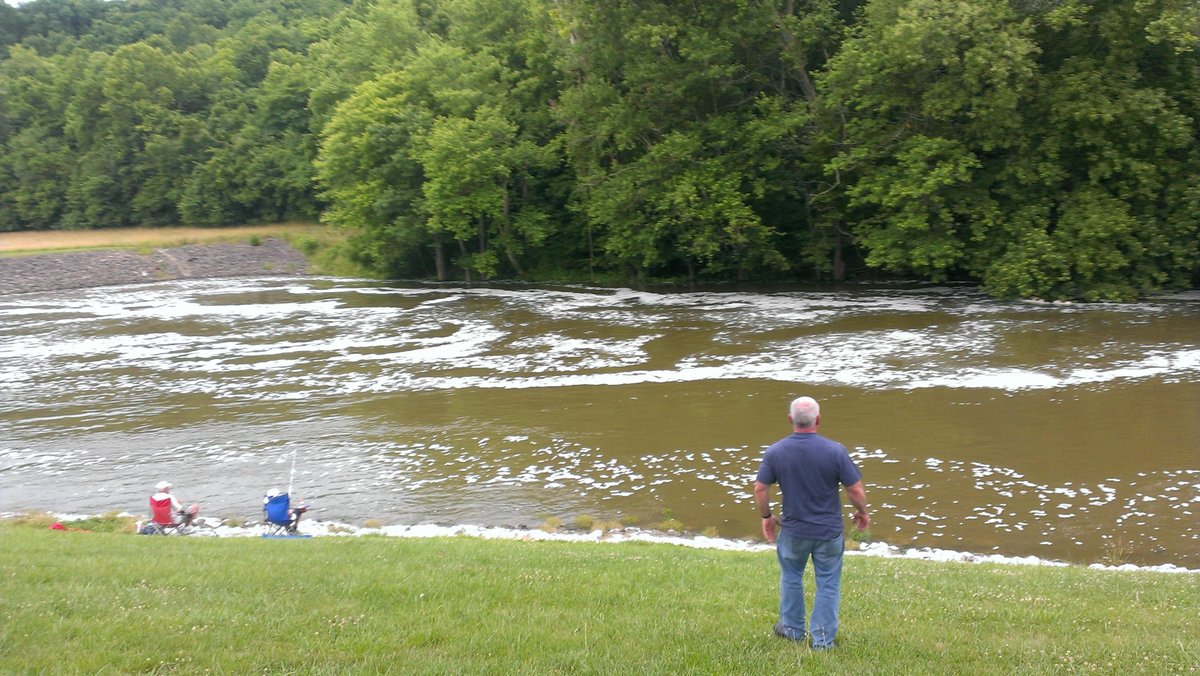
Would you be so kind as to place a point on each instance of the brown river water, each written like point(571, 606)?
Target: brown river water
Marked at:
point(1066, 432)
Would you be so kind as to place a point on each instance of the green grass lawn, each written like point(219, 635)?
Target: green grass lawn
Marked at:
point(85, 602)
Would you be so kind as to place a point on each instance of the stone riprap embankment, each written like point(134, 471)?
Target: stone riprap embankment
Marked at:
point(55, 272)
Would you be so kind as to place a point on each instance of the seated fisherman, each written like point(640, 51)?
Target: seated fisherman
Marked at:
point(165, 508)
point(273, 505)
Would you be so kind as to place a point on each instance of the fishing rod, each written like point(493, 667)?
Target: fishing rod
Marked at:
point(292, 476)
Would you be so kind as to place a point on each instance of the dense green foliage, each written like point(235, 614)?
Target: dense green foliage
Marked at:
point(91, 603)
point(1044, 148)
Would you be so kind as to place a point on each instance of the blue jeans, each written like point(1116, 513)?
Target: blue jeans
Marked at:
point(793, 553)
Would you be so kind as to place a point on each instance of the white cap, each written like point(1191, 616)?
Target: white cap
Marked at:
point(274, 492)
point(163, 485)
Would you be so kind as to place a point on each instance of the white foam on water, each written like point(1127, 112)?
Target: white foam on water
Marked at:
point(498, 338)
point(874, 549)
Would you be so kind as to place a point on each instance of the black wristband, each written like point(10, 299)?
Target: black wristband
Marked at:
point(767, 516)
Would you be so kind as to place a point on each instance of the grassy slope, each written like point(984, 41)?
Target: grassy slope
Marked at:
point(87, 602)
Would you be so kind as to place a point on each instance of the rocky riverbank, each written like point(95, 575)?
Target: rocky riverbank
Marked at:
point(56, 272)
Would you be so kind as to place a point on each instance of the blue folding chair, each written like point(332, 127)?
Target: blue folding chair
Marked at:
point(279, 517)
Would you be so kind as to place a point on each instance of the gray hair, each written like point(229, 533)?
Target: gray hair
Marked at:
point(805, 411)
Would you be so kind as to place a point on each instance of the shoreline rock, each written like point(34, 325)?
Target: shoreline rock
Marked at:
point(87, 269)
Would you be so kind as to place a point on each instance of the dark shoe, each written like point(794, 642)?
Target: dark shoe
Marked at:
point(790, 634)
point(822, 648)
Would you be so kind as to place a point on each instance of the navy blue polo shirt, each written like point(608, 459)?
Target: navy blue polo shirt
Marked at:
point(810, 471)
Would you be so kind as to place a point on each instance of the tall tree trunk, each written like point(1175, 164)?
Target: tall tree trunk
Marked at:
point(466, 259)
point(506, 230)
point(439, 257)
point(787, 39)
point(839, 263)
point(801, 69)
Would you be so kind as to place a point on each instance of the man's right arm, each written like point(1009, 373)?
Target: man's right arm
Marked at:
point(762, 500)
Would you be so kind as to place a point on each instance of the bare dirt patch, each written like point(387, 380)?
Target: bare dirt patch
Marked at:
point(58, 240)
point(82, 269)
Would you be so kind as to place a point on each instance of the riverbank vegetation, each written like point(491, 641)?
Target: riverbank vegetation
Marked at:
point(87, 602)
point(1042, 149)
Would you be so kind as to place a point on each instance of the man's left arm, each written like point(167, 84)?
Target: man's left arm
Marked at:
point(858, 497)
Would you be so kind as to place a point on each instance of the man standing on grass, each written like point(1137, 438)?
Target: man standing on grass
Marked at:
point(809, 469)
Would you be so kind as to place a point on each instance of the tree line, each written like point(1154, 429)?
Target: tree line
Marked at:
point(1042, 148)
